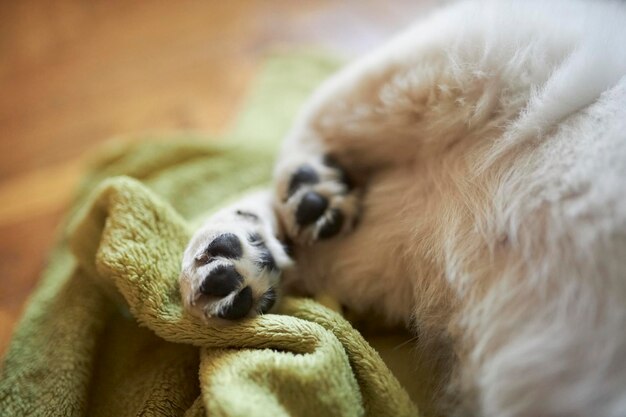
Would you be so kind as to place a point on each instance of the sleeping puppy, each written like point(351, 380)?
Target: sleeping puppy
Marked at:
point(467, 180)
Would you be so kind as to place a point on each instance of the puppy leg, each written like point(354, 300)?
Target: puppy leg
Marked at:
point(233, 263)
point(377, 114)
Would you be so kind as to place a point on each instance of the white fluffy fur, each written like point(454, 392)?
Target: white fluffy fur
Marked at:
point(490, 142)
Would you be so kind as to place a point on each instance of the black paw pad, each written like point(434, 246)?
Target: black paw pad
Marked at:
point(333, 224)
point(304, 175)
point(221, 281)
point(227, 246)
point(266, 260)
point(330, 161)
point(255, 239)
point(241, 305)
point(310, 208)
point(268, 300)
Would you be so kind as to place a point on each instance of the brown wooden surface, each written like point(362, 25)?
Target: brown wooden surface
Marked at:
point(73, 73)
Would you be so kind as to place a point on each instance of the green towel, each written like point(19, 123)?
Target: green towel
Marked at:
point(105, 334)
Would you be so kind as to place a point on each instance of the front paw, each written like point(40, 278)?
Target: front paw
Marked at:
point(231, 268)
point(315, 200)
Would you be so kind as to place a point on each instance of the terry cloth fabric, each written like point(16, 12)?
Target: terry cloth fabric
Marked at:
point(105, 334)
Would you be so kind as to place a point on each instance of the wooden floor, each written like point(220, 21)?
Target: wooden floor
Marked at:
point(74, 73)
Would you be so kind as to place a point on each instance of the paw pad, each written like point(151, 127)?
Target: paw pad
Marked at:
point(225, 246)
point(265, 258)
point(241, 305)
point(311, 207)
point(332, 226)
point(304, 175)
point(222, 280)
point(268, 300)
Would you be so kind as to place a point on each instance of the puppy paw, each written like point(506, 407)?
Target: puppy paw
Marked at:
point(315, 200)
point(232, 266)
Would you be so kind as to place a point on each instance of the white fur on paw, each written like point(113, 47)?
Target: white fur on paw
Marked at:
point(315, 200)
point(232, 265)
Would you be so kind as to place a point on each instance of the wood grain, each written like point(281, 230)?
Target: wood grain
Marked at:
point(76, 72)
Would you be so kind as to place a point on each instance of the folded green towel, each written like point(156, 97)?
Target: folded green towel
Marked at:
point(105, 333)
